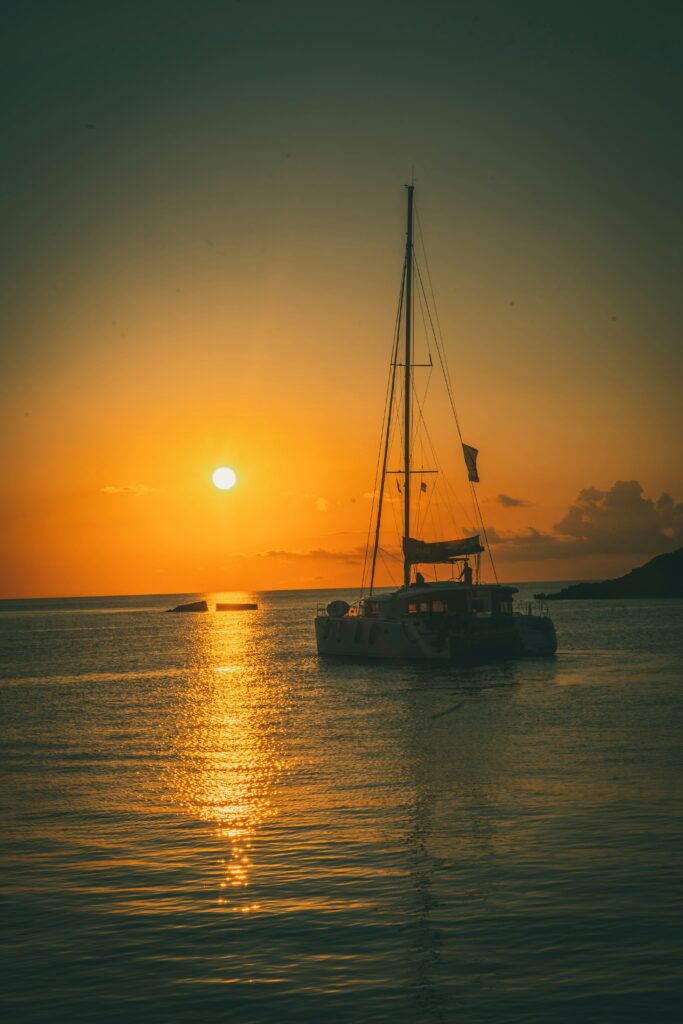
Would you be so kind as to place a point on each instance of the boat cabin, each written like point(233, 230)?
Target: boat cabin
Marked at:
point(444, 598)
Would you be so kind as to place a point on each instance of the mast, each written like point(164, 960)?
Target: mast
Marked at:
point(407, 389)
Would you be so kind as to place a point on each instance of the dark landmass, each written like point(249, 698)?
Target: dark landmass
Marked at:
point(236, 607)
point(195, 606)
point(660, 577)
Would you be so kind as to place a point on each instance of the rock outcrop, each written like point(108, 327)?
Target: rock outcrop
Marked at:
point(194, 606)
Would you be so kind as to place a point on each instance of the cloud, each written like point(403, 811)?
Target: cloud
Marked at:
point(507, 502)
point(138, 490)
point(373, 495)
point(531, 537)
point(320, 504)
point(618, 521)
point(352, 557)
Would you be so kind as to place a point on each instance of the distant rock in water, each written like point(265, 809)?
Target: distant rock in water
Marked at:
point(660, 577)
point(195, 606)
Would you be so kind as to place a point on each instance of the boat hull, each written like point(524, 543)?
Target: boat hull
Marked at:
point(476, 639)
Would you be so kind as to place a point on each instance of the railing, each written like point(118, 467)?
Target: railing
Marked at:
point(534, 607)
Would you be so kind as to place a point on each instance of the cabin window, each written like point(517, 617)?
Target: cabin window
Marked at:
point(371, 609)
point(506, 607)
point(424, 607)
point(438, 605)
point(412, 608)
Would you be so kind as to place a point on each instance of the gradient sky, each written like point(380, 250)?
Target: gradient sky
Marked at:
point(202, 230)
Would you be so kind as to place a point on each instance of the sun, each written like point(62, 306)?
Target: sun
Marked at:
point(224, 478)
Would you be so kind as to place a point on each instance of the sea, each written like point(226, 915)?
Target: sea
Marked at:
point(201, 820)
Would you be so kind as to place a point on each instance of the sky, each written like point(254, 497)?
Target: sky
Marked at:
point(203, 223)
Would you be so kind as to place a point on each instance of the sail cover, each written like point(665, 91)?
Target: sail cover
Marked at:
point(470, 454)
point(440, 551)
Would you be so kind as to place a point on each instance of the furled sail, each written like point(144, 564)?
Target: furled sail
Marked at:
point(417, 551)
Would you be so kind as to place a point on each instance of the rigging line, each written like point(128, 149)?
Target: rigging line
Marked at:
point(435, 457)
point(430, 495)
point(380, 500)
point(392, 372)
point(419, 420)
point(378, 496)
point(395, 442)
point(391, 554)
point(443, 359)
point(429, 276)
point(441, 351)
point(483, 526)
point(424, 303)
point(441, 355)
point(450, 493)
point(431, 368)
point(395, 427)
point(387, 568)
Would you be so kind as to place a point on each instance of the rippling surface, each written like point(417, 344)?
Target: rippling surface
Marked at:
point(202, 821)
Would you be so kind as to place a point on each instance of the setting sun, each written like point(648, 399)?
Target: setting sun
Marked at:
point(224, 478)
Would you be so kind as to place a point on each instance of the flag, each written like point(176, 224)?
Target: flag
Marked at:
point(471, 462)
point(423, 487)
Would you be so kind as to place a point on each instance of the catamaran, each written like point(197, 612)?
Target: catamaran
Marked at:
point(459, 618)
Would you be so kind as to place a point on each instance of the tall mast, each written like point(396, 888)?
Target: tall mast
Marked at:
point(407, 390)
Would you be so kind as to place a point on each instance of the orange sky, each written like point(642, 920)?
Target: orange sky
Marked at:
point(182, 297)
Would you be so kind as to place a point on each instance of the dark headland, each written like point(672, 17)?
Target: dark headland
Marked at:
point(660, 577)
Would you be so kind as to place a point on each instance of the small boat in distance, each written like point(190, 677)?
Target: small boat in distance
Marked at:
point(453, 619)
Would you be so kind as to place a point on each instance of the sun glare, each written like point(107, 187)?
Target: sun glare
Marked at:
point(224, 478)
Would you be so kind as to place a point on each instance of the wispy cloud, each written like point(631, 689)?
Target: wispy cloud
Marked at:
point(507, 502)
point(373, 495)
point(319, 503)
point(352, 557)
point(137, 490)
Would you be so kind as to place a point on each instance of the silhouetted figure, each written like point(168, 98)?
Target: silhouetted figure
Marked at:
point(419, 579)
point(467, 573)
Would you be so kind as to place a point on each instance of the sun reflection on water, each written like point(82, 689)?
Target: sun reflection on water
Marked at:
point(228, 762)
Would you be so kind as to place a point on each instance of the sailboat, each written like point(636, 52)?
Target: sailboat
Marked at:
point(458, 618)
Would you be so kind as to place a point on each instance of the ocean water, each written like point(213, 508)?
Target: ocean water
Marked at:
point(200, 820)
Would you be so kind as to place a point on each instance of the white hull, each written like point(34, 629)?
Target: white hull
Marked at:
point(415, 639)
point(358, 637)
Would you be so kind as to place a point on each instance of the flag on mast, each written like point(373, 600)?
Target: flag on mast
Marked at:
point(471, 462)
